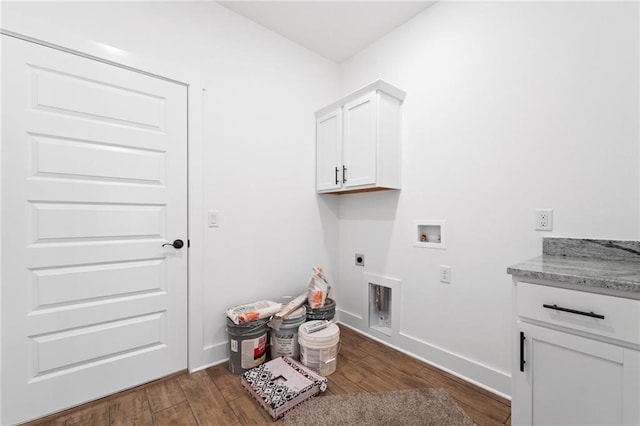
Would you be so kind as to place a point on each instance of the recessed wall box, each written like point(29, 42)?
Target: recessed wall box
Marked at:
point(429, 234)
point(380, 308)
point(382, 296)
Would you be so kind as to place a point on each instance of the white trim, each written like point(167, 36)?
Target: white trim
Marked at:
point(1, 236)
point(195, 176)
point(350, 314)
point(481, 375)
point(213, 364)
point(86, 55)
point(48, 34)
point(378, 85)
point(213, 354)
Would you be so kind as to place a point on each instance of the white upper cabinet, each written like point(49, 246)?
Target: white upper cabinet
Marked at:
point(358, 141)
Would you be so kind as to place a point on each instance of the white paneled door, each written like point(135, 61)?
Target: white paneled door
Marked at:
point(94, 166)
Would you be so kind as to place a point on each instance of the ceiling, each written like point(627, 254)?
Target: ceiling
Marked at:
point(334, 29)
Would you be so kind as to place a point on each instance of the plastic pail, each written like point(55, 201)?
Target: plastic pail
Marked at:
point(247, 344)
point(327, 312)
point(319, 350)
point(284, 342)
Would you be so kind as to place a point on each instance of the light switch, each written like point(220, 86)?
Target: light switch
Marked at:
point(213, 219)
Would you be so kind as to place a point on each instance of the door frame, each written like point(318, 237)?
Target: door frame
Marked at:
point(46, 34)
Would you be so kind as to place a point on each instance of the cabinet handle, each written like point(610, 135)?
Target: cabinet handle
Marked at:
point(522, 361)
point(344, 174)
point(336, 175)
point(572, 311)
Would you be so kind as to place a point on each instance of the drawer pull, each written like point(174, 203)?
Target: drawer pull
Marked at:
point(573, 311)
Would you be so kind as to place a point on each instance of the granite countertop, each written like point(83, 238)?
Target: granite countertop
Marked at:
point(600, 266)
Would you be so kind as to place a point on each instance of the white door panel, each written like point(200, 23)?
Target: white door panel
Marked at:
point(54, 157)
point(93, 183)
point(94, 131)
point(58, 286)
point(53, 255)
point(72, 94)
point(57, 350)
point(360, 141)
point(94, 192)
point(84, 312)
point(328, 146)
point(53, 222)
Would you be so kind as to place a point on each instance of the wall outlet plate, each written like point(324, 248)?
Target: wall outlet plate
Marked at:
point(445, 274)
point(544, 219)
point(359, 259)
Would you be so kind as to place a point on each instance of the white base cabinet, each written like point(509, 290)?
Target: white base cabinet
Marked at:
point(358, 141)
point(572, 380)
point(563, 375)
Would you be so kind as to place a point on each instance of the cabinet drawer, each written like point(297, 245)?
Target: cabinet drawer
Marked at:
point(621, 316)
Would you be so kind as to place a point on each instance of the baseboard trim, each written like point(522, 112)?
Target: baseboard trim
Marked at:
point(204, 367)
point(471, 371)
point(211, 355)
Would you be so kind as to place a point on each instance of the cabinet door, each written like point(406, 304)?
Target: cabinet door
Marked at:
point(571, 380)
point(360, 141)
point(328, 147)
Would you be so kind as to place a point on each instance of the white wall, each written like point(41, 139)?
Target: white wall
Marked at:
point(258, 153)
point(511, 106)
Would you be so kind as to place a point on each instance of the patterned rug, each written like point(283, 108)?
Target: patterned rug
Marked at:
point(405, 407)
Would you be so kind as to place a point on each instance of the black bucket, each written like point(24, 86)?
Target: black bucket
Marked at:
point(327, 312)
point(247, 344)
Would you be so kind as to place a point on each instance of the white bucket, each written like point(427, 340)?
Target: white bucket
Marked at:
point(284, 342)
point(319, 350)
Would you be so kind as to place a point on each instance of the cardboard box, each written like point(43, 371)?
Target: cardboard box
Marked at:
point(281, 384)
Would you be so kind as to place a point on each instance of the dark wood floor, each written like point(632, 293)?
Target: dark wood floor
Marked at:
point(214, 396)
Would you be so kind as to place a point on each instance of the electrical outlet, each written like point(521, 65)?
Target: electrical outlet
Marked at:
point(445, 274)
point(359, 259)
point(544, 219)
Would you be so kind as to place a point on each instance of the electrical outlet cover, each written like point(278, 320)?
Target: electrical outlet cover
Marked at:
point(445, 274)
point(544, 219)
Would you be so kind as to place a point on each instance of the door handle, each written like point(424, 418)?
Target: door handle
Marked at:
point(522, 361)
point(177, 244)
point(344, 174)
point(336, 175)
